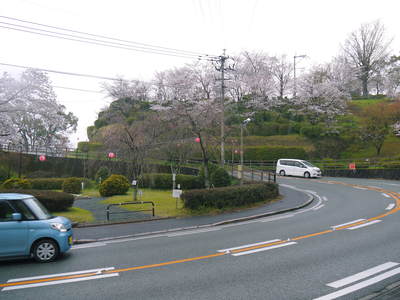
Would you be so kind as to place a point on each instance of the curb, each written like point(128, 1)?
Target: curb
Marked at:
point(308, 202)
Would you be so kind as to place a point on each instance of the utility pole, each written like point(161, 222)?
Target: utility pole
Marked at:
point(221, 68)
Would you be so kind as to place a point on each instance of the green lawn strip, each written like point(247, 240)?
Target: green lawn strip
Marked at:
point(215, 211)
point(76, 214)
point(165, 204)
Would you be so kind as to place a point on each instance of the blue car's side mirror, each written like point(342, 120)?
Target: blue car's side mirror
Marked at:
point(16, 216)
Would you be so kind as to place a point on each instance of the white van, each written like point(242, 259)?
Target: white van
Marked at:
point(296, 167)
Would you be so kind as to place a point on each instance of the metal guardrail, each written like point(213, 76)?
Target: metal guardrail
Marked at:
point(128, 212)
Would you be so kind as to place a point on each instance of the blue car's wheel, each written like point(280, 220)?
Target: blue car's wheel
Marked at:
point(45, 250)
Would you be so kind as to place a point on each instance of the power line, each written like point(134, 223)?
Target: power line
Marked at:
point(76, 89)
point(106, 37)
point(99, 40)
point(82, 40)
point(61, 72)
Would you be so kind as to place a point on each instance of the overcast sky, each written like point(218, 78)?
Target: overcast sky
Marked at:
point(293, 27)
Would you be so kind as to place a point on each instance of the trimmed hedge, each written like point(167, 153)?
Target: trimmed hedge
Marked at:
point(47, 183)
point(72, 185)
point(16, 183)
point(230, 196)
point(164, 181)
point(53, 201)
point(55, 183)
point(274, 153)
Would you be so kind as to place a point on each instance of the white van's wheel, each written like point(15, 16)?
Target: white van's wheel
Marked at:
point(282, 173)
point(45, 250)
point(307, 175)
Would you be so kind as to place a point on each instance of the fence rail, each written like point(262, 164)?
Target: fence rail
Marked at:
point(108, 212)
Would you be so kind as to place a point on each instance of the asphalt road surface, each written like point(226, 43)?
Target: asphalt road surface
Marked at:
point(344, 246)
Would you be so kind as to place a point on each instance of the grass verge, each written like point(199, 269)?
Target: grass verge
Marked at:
point(76, 214)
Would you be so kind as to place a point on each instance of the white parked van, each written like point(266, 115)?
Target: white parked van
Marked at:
point(296, 167)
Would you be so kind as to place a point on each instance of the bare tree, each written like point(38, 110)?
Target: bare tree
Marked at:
point(281, 70)
point(367, 49)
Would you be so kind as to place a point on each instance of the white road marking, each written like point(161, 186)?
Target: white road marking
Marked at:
point(390, 206)
point(359, 188)
point(133, 239)
point(89, 245)
point(386, 195)
point(311, 192)
point(263, 249)
point(362, 275)
point(288, 185)
point(25, 286)
point(360, 285)
point(364, 225)
point(29, 285)
point(318, 207)
point(192, 232)
point(348, 223)
point(324, 198)
point(248, 245)
point(276, 218)
point(61, 274)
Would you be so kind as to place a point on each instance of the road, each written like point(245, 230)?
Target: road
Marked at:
point(344, 246)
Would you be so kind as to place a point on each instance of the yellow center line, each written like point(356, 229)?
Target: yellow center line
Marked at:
point(394, 195)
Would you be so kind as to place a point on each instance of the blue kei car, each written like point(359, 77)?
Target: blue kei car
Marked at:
point(27, 229)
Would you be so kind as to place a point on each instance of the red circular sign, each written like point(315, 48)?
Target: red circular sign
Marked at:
point(111, 155)
point(42, 157)
point(197, 140)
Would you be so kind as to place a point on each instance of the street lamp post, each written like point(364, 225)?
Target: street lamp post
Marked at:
point(294, 73)
point(244, 123)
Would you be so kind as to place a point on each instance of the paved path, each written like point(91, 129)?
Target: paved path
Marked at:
point(291, 199)
point(98, 210)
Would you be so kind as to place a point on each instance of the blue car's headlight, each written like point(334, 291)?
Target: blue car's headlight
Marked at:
point(58, 226)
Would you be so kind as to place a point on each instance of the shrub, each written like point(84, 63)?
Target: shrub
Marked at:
point(114, 185)
point(72, 185)
point(220, 178)
point(16, 183)
point(53, 201)
point(55, 183)
point(229, 196)
point(102, 174)
point(164, 181)
point(47, 183)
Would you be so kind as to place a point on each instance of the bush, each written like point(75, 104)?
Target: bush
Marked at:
point(47, 183)
point(229, 196)
point(16, 183)
point(220, 178)
point(55, 183)
point(114, 185)
point(164, 181)
point(102, 174)
point(53, 201)
point(72, 185)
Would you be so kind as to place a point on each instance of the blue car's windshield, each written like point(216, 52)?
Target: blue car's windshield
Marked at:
point(33, 206)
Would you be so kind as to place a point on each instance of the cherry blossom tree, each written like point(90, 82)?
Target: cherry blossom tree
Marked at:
point(31, 114)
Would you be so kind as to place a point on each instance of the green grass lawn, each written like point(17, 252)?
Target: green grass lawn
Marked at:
point(76, 214)
point(165, 204)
